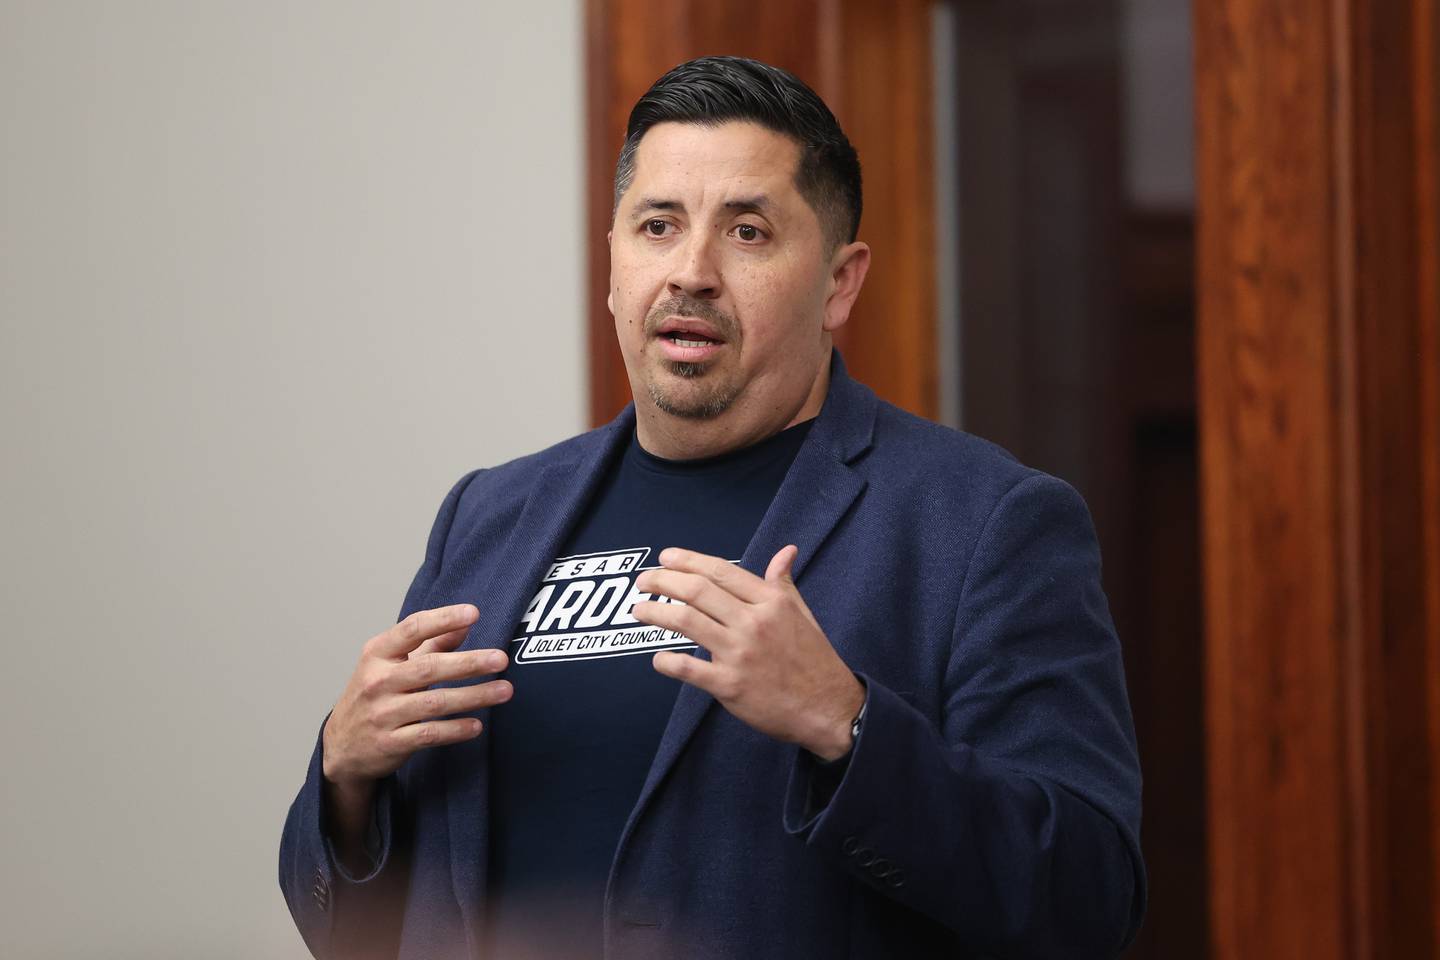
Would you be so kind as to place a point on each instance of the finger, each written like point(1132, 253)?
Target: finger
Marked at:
point(692, 623)
point(781, 564)
point(730, 577)
point(694, 590)
point(436, 733)
point(781, 571)
point(691, 670)
point(415, 629)
point(442, 667)
point(446, 701)
point(444, 642)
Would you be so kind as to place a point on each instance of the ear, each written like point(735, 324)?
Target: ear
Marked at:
point(847, 275)
point(610, 297)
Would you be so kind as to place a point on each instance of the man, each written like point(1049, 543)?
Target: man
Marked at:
point(782, 670)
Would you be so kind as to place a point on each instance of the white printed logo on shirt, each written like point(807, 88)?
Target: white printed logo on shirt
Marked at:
point(582, 611)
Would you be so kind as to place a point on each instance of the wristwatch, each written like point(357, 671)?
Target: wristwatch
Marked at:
point(855, 724)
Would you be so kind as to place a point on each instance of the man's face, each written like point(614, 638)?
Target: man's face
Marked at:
point(720, 277)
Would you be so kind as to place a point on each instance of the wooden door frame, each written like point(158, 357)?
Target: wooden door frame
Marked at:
point(1320, 429)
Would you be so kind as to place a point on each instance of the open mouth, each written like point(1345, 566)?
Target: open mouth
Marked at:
point(689, 346)
point(689, 339)
point(683, 338)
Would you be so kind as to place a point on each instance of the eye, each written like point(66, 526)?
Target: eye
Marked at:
point(749, 233)
point(656, 228)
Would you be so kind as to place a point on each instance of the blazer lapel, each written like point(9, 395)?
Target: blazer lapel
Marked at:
point(559, 496)
point(555, 503)
point(816, 494)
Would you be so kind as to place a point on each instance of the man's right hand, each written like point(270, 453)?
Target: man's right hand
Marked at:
point(386, 712)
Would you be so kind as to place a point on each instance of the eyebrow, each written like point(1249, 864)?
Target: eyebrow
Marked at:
point(647, 204)
point(756, 204)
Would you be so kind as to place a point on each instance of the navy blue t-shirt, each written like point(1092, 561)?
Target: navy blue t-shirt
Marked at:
point(569, 753)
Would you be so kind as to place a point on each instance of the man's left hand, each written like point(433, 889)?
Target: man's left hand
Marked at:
point(770, 663)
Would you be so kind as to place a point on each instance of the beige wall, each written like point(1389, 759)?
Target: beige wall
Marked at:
point(272, 276)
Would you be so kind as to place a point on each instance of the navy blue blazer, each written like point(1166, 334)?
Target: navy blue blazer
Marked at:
point(990, 807)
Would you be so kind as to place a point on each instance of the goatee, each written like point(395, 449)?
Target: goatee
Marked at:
point(702, 403)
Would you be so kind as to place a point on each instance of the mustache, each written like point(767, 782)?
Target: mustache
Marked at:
point(683, 305)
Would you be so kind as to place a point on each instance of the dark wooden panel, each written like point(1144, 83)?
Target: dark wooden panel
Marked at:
point(1401, 795)
point(838, 47)
point(1078, 355)
point(1164, 661)
point(1426, 86)
point(1161, 631)
point(1314, 372)
point(988, 121)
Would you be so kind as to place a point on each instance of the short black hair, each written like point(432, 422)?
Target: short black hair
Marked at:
point(716, 90)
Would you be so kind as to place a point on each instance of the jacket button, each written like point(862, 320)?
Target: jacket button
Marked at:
point(896, 878)
point(880, 868)
point(848, 846)
point(866, 855)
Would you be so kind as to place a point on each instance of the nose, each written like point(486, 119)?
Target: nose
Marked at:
point(695, 271)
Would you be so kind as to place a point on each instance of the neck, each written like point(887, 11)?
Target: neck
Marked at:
point(681, 438)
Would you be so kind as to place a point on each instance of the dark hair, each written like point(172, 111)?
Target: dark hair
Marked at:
point(716, 90)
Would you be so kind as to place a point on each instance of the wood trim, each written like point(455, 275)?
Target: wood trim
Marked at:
point(1354, 587)
point(1268, 462)
point(1400, 802)
point(609, 388)
point(889, 342)
point(1319, 449)
point(1426, 120)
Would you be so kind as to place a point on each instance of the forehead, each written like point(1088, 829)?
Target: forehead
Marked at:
point(693, 157)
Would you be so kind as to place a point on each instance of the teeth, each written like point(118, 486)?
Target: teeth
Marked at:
point(691, 343)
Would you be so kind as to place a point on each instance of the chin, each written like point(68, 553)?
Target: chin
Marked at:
point(686, 394)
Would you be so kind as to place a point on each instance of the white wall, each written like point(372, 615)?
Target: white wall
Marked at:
point(272, 276)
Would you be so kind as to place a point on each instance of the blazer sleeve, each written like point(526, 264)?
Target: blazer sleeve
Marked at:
point(340, 915)
point(1016, 821)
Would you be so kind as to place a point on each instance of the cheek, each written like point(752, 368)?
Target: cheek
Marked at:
point(787, 309)
point(632, 292)
point(628, 307)
point(621, 298)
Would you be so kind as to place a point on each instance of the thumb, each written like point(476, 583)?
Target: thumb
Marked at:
point(781, 564)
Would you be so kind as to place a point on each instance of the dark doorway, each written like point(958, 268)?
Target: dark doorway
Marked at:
point(1075, 224)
